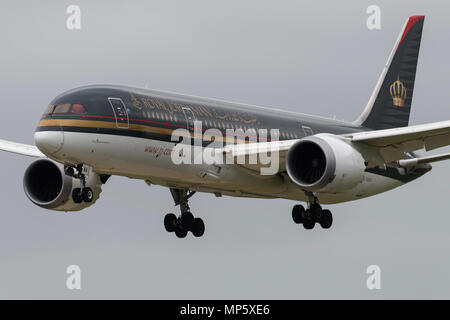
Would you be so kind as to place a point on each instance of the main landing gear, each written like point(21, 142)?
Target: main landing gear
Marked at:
point(80, 194)
point(314, 213)
point(185, 221)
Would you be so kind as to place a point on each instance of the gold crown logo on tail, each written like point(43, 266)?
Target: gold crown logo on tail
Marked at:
point(398, 93)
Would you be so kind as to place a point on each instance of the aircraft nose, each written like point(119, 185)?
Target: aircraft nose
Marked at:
point(49, 142)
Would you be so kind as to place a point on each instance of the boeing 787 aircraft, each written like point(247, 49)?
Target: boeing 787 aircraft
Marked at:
point(90, 133)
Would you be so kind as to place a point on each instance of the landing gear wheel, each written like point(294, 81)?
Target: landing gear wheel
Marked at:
point(326, 220)
point(315, 211)
point(187, 220)
point(170, 222)
point(87, 194)
point(308, 224)
point(180, 231)
point(297, 213)
point(309, 221)
point(199, 227)
point(76, 195)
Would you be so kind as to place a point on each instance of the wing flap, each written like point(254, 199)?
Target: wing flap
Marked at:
point(437, 141)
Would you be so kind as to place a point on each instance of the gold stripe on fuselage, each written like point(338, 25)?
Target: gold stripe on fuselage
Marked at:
point(112, 125)
point(100, 124)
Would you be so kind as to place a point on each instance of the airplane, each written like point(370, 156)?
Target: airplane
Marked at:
point(90, 133)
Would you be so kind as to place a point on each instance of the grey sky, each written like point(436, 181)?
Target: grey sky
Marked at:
point(315, 57)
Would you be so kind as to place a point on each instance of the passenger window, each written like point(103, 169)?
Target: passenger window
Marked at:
point(78, 109)
point(62, 108)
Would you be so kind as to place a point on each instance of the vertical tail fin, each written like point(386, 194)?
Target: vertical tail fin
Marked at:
point(390, 103)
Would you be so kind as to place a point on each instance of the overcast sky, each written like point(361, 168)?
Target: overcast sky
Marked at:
point(314, 57)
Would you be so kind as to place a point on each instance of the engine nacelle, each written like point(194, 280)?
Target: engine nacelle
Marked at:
point(46, 185)
point(325, 163)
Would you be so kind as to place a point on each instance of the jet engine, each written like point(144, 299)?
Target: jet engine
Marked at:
point(48, 186)
point(325, 163)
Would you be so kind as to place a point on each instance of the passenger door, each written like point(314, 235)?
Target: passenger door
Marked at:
point(120, 113)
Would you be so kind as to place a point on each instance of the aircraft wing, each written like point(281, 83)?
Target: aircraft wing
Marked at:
point(20, 148)
point(392, 143)
point(429, 136)
point(255, 148)
point(389, 144)
point(243, 153)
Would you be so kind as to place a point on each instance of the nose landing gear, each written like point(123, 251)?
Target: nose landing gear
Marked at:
point(314, 213)
point(186, 221)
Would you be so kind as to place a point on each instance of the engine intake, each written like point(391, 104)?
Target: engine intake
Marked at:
point(324, 163)
point(46, 185)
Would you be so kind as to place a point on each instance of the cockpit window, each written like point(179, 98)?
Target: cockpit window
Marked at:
point(49, 109)
point(78, 109)
point(62, 108)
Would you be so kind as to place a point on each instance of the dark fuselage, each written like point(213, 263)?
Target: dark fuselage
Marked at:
point(155, 114)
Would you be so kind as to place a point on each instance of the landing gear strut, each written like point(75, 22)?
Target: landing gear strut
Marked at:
point(314, 213)
point(79, 194)
point(185, 221)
